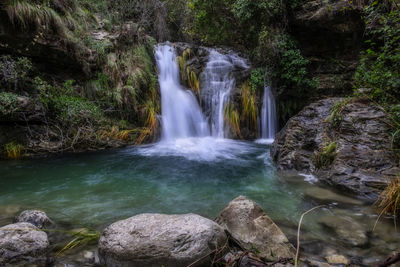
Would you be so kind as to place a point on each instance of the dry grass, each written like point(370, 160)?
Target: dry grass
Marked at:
point(13, 150)
point(194, 82)
point(249, 107)
point(43, 18)
point(233, 118)
point(389, 200)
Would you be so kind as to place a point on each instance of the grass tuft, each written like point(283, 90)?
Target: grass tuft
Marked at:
point(326, 156)
point(81, 238)
point(233, 118)
point(249, 107)
point(14, 150)
point(389, 200)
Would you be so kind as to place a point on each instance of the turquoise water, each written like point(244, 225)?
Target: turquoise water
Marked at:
point(98, 188)
point(199, 175)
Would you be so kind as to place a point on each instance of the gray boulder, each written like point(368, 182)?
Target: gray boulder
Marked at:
point(22, 244)
point(363, 163)
point(36, 217)
point(250, 225)
point(159, 239)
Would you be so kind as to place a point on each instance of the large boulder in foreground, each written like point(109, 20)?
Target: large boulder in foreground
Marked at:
point(22, 244)
point(159, 239)
point(361, 160)
point(250, 225)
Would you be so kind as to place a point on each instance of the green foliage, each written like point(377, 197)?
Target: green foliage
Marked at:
point(257, 79)
point(237, 22)
point(68, 108)
point(8, 103)
point(379, 69)
point(326, 156)
point(14, 71)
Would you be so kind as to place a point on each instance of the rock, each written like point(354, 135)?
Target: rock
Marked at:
point(250, 225)
point(315, 263)
point(338, 259)
point(364, 162)
point(347, 229)
point(22, 243)
point(329, 196)
point(154, 239)
point(36, 217)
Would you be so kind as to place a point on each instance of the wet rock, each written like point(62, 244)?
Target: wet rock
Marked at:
point(22, 243)
point(36, 217)
point(315, 263)
point(338, 259)
point(250, 225)
point(364, 162)
point(347, 229)
point(151, 239)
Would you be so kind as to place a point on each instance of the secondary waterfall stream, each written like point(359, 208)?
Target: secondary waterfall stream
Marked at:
point(217, 83)
point(268, 116)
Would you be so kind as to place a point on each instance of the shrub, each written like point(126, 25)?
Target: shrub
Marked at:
point(14, 71)
point(8, 103)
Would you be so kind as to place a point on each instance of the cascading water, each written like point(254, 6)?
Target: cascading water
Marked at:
point(268, 117)
point(217, 83)
point(181, 114)
point(185, 130)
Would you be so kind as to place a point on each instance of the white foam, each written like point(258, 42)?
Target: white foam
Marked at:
point(309, 178)
point(264, 141)
point(198, 149)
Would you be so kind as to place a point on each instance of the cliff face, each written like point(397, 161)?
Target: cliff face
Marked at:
point(330, 35)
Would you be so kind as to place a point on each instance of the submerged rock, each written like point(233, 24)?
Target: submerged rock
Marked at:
point(338, 259)
point(22, 244)
point(159, 239)
point(36, 217)
point(250, 225)
point(347, 229)
point(363, 161)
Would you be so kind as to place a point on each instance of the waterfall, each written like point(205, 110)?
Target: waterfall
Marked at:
point(181, 114)
point(268, 115)
point(217, 83)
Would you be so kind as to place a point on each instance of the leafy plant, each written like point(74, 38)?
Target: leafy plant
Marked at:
point(8, 103)
point(14, 71)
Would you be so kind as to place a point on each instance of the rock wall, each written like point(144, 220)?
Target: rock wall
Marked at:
point(362, 161)
point(330, 35)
